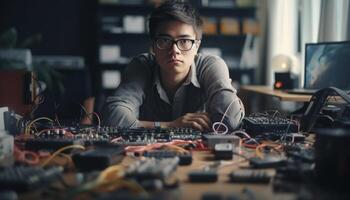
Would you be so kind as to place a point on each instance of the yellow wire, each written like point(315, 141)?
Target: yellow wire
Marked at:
point(176, 148)
point(110, 173)
point(110, 179)
point(77, 146)
point(119, 183)
point(258, 150)
point(274, 146)
point(27, 129)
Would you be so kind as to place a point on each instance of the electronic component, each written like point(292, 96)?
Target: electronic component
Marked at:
point(152, 169)
point(55, 143)
point(267, 162)
point(6, 149)
point(211, 139)
point(51, 144)
point(212, 196)
point(223, 151)
point(184, 158)
point(158, 135)
point(250, 176)
point(295, 137)
point(52, 137)
point(205, 176)
point(23, 178)
point(264, 124)
point(98, 158)
point(295, 171)
point(12, 122)
point(305, 155)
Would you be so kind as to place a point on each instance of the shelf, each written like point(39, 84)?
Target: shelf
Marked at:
point(241, 12)
point(118, 9)
point(145, 9)
point(106, 36)
point(145, 36)
point(229, 45)
point(110, 18)
point(221, 37)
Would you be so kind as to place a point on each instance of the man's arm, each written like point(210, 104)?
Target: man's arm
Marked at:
point(122, 109)
point(198, 121)
point(221, 96)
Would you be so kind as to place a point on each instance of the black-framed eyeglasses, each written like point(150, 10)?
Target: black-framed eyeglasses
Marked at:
point(182, 44)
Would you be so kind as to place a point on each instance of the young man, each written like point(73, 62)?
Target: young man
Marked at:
point(174, 86)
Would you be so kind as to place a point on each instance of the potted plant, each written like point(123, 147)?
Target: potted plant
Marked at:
point(19, 78)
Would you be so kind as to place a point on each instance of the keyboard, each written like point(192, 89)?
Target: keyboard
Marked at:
point(23, 178)
point(268, 124)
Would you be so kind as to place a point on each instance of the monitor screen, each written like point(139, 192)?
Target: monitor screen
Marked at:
point(327, 64)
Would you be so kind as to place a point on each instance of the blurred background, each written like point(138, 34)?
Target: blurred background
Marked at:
point(67, 56)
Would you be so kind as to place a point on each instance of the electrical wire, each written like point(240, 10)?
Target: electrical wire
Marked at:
point(97, 117)
point(247, 139)
point(109, 180)
point(56, 119)
point(66, 133)
point(273, 146)
point(48, 160)
point(84, 109)
point(113, 185)
point(27, 129)
point(87, 114)
point(28, 157)
point(172, 145)
point(111, 173)
point(222, 119)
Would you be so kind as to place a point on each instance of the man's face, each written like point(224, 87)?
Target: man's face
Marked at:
point(173, 60)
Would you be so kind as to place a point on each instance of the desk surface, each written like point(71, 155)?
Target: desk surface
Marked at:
point(283, 96)
point(195, 191)
point(223, 186)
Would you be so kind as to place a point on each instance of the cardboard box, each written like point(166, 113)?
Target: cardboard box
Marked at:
point(251, 26)
point(229, 26)
point(210, 25)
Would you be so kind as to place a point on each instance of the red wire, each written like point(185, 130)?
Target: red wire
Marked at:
point(251, 146)
point(28, 157)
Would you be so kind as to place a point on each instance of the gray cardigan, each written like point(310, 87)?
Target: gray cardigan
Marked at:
point(140, 95)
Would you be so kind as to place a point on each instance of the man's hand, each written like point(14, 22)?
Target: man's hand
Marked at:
point(200, 121)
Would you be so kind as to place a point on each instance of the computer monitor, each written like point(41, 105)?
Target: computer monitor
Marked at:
point(327, 64)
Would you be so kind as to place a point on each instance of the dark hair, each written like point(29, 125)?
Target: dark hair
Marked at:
point(175, 10)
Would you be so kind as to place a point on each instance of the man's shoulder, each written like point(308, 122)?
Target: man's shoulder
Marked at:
point(205, 60)
point(207, 57)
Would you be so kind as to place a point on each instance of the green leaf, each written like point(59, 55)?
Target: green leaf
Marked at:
point(51, 77)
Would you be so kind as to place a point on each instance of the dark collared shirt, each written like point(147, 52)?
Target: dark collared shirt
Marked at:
point(141, 97)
